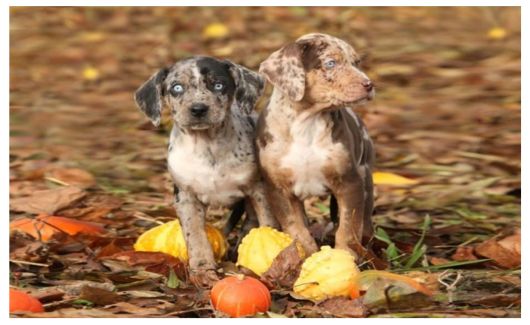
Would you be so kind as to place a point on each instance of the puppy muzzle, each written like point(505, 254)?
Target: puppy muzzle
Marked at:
point(199, 110)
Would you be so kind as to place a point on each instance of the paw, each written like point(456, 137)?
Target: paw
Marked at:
point(203, 278)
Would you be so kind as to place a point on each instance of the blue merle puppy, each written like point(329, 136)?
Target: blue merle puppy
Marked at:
point(211, 155)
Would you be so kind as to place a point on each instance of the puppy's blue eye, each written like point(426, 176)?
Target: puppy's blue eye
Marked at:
point(218, 86)
point(178, 88)
point(330, 64)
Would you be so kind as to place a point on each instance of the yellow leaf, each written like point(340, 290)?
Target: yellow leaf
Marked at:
point(92, 36)
point(90, 73)
point(381, 178)
point(497, 33)
point(215, 30)
point(223, 51)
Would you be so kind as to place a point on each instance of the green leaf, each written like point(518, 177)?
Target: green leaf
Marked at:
point(323, 208)
point(392, 252)
point(382, 236)
point(83, 302)
point(172, 281)
point(415, 256)
point(419, 249)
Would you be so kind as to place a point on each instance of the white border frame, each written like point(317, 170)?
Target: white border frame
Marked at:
point(4, 117)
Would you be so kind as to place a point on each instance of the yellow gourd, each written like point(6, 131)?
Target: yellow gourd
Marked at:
point(168, 238)
point(261, 246)
point(327, 273)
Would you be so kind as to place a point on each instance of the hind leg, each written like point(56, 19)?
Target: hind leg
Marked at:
point(368, 227)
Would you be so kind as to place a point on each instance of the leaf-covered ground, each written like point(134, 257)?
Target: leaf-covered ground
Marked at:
point(446, 114)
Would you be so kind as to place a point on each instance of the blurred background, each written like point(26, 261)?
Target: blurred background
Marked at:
point(446, 114)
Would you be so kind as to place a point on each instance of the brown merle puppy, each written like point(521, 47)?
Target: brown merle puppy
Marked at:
point(211, 155)
point(310, 143)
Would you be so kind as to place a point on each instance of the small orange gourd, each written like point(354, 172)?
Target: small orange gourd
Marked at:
point(240, 296)
point(22, 302)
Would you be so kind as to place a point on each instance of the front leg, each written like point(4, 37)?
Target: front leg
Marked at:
point(290, 212)
point(191, 214)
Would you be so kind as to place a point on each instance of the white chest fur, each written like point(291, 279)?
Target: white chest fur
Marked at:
point(209, 170)
point(311, 151)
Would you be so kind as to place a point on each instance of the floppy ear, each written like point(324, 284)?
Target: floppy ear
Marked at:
point(149, 96)
point(285, 70)
point(249, 86)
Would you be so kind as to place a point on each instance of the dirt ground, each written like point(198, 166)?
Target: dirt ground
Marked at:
point(446, 115)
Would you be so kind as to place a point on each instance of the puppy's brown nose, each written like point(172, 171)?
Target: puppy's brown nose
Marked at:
point(368, 85)
point(198, 110)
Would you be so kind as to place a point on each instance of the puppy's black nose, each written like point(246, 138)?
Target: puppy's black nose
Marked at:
point(368, 85)
point(199, 110)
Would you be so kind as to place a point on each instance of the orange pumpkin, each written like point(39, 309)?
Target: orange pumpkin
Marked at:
point(22, 302)
point(240, 296)
point(47, 226)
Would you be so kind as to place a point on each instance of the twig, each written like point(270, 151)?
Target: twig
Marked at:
point(28, 263)
point(486, 157)
point(450, 288)
point(143, 216)
point(55, 180)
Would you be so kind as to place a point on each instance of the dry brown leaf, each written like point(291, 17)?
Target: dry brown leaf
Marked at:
point(48, 294)
point(137, 311)
point(112, 248)
point(513, 242)
point(507, 254)
point(73, 176)
point(73, 313)
point(464, 253)
point(438, 260)
point(22, 247)
point(343, 307)
point(99, 296)
point(153, 262)
point(284, 269)
point(90, 213)
point(47, 201)
point(73, 288)
point(25, 188)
